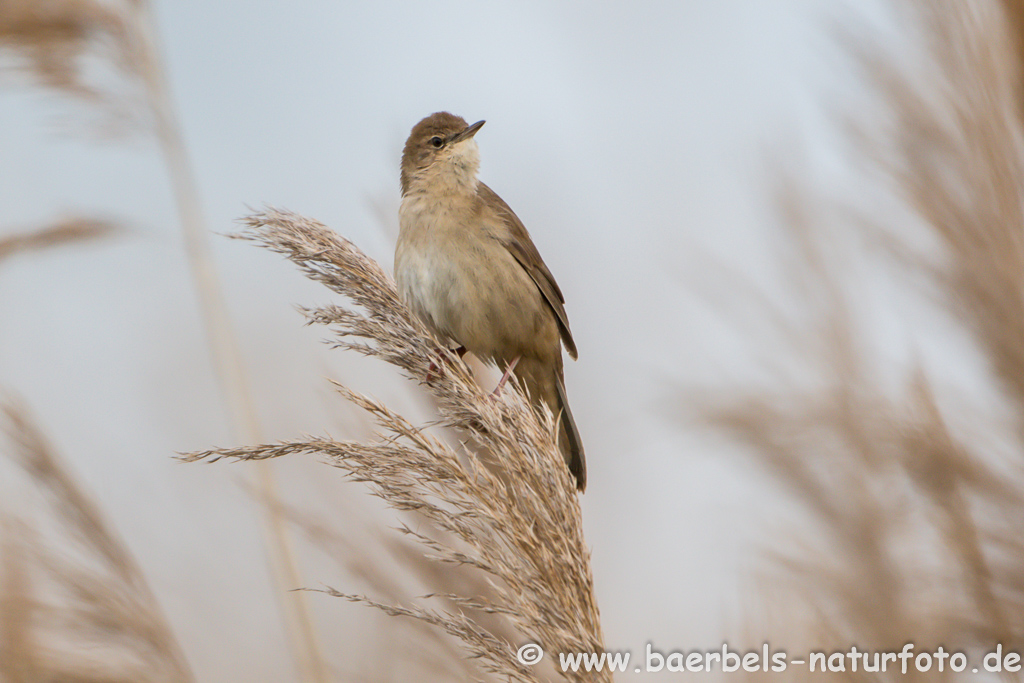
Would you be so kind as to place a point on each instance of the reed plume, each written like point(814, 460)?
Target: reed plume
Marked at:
point(519, 527)
point(910, 508)
point(72, 229)
point(91, 50)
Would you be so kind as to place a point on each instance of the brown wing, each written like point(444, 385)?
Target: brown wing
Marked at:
point(522, 248)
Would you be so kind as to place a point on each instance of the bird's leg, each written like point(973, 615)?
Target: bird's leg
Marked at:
point(504, 378)
point(461, 351)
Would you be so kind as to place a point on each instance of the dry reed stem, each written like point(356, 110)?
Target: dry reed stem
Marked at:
point(521, 528)
point(84, 613)
point(227, 355)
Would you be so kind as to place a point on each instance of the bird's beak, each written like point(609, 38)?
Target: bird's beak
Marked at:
point(468, 133)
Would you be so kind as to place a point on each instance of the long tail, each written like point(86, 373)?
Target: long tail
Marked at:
point(572, 446)
point(545, 385)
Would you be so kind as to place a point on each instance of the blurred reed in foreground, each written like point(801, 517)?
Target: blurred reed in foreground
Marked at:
point(62, 232)
point(916, 498)
point(519, 528)
point(74, 605)
point(106, 53)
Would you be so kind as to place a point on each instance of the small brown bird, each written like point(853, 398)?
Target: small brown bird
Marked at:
point(466, 265)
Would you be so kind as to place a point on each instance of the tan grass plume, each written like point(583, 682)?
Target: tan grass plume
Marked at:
point(520, 528)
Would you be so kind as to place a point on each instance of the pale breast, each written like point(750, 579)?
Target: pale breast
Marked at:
point(465, 285)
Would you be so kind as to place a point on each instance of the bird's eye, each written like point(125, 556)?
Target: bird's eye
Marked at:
point(436, 141)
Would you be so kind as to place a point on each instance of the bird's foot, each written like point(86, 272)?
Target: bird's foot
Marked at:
point(504, 378)
point(435, 368)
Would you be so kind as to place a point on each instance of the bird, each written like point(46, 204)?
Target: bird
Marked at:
point(466, 266)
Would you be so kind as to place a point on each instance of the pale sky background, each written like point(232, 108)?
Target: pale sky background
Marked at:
point(639, 143)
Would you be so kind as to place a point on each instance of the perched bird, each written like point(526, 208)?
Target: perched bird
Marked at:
point(466, 266)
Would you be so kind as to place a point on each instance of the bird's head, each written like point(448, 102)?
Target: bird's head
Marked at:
point(441, 152)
